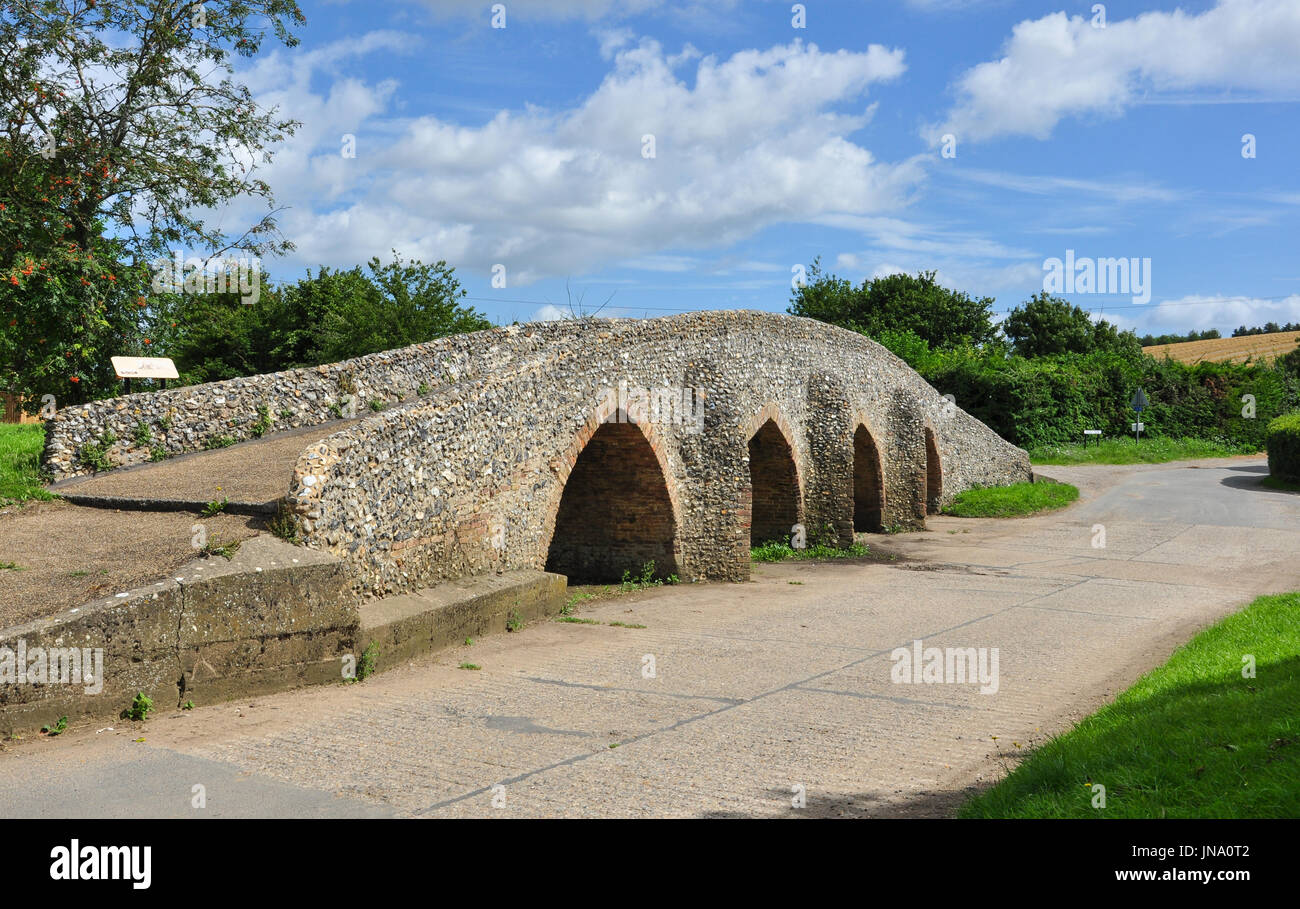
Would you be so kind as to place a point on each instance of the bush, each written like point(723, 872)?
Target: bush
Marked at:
point(1284, 447)
point(1050, 400)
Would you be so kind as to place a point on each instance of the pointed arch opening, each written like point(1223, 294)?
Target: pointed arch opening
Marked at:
point(868, 483)
point(615, 513)
point(773, 484)
point(933, 474)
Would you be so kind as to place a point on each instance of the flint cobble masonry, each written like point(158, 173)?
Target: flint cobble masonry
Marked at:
point(473, 480)
point(466, 470)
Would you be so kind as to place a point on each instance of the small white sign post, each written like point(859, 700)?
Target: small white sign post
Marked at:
point(129, 368)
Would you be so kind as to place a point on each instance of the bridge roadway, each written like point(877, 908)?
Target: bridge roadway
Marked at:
point(758, 688)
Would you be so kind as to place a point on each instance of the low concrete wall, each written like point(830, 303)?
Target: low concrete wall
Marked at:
point(403, 627)
point(273, 617)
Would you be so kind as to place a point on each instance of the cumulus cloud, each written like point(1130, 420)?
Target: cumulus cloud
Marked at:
point(1060, 66)
point(1010, 282)
point(755, 139)
point(549, 313)
point(1199, 312)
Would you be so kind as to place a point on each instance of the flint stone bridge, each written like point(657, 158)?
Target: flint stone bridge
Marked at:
point(585, 447)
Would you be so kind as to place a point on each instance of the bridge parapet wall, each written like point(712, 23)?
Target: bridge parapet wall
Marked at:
point(194, 417)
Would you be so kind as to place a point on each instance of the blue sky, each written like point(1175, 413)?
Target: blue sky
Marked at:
point(522, 147)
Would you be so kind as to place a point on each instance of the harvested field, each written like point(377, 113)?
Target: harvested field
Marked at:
point(1229, 350)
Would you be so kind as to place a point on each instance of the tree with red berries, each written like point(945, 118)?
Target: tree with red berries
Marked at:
point(123, 123)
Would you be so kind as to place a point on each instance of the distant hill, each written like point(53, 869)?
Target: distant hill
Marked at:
point(1233, 350)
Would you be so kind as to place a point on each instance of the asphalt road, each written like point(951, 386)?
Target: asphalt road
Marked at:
point(762, 695)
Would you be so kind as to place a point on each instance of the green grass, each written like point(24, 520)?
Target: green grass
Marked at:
point(777, 551)
point(1192, 738)
point(20, 462)
point(226, 551)
point(1011, 501)
point(645, 580)
point(1125, 450)
point(567, 608)
point(1273, 482)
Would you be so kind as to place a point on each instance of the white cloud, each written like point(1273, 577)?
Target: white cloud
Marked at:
point(1059, 66)
point(1037, 185)
point(549, 313)
point(903, 236)
point(1010, 283)
point(756, 139)
point(1198, 312)
point(613, 40)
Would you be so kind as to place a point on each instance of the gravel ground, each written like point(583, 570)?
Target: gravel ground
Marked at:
point(68, 554)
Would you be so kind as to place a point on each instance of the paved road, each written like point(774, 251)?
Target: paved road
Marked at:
point(760, 690)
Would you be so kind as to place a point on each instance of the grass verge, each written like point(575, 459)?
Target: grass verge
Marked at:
point(1273, 482)
point(777, 551)
point(1196, 737)
point(20, 462)
point(1125, 450)
point(1011, 501)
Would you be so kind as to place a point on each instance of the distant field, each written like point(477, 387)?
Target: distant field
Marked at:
point(1231, 350)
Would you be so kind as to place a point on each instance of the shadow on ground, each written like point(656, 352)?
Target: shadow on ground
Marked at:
point(928, 804)
point(1254, 482)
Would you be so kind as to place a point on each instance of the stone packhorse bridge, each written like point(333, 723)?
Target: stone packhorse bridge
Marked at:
point(449, 489)
point(586, 448)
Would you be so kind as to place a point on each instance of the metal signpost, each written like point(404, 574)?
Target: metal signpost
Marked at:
point(1139, 403)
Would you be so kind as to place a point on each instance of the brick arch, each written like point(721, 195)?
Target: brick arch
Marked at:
point(774, 494)
point(868, 477)
point(615, 505)
point(933, 472)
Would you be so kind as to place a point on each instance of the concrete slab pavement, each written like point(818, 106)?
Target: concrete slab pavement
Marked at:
point(760, 691)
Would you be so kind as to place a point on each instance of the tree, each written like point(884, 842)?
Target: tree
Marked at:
point(941, 317)
point(132, 106)
point(407, 302)
point(62, 317)
point(1046, 325)
point(217, 336)
point(121, 119)
point(1150, 340)
point(322, 318)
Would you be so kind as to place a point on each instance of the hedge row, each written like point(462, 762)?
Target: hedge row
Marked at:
point(1284, 447)
point(1051, 400)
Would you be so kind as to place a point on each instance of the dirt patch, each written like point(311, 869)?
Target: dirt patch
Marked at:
point(67, 555)
point(254, 472)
